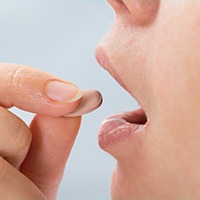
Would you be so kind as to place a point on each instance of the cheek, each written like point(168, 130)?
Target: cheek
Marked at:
point(175, 67)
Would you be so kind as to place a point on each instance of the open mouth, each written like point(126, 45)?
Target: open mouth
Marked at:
point(124, 126)
point(117, 128)
point(136, 117)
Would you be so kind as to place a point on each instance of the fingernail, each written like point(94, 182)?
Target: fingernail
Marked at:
point(63, 92)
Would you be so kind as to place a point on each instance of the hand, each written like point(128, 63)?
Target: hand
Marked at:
point(32, 159)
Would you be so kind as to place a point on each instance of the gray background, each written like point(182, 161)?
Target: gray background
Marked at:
point(60, 37)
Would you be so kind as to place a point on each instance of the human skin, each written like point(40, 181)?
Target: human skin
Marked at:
point(32, 159)
point(152, 50)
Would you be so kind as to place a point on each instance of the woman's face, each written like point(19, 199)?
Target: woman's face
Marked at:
point(153, 51)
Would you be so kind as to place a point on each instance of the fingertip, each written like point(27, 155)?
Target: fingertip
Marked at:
point(36, 91)
point(62, 92)
point(58, 132)
point(73, 123)
point(53, 138)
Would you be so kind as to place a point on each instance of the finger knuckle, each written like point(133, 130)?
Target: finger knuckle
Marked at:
point(16, 76)
point(15, 137)
point(23, 138)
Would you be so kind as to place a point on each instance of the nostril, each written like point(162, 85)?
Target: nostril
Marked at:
point(118, 5)
point(143, 11)
point(116, 1)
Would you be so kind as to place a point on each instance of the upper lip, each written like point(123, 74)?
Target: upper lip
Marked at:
point(105, 62)
point(104, 59)
point(101, 57)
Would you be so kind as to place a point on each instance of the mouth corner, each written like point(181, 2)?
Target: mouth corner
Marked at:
point(136, 117)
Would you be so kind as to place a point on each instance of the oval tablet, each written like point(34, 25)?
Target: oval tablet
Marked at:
point(91, 100)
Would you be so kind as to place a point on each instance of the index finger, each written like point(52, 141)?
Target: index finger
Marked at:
point(35, 91)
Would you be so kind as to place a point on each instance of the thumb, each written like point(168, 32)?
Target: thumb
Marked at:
point(52, 141)
point(33, 90)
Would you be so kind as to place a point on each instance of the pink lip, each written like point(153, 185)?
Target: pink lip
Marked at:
point(105, 62)
point(102, 58)
point(118, 128)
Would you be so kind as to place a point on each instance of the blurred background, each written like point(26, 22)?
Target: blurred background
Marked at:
point(59, 37)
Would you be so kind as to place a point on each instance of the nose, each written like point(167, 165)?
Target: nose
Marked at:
point(143, 11)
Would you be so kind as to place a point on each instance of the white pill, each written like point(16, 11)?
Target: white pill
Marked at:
point(91, 100)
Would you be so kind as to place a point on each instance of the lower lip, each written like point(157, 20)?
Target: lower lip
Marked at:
point(118, 128)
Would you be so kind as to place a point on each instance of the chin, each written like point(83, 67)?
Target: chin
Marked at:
point(120, 187)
